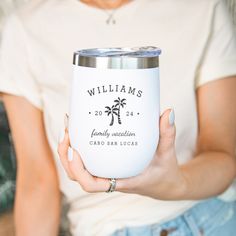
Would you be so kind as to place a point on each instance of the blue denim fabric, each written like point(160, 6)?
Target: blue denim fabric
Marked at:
point(212, 217)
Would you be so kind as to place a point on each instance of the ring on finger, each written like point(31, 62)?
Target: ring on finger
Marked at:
point(112, 187)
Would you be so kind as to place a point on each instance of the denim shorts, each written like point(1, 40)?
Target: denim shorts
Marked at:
point(212, 217)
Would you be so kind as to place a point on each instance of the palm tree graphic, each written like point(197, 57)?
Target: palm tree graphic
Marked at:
point(120, 103)
point(112, 111)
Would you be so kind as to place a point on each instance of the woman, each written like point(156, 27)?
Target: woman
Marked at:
point(176, 194)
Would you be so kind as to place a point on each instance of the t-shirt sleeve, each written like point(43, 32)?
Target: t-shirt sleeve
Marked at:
point(219, 59)
point(16, 76)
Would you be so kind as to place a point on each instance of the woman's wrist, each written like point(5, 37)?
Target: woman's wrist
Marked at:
point(185, 186)
point(179, 189)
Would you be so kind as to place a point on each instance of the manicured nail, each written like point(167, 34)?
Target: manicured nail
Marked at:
point(66, 121)
point(70, 154)
point(172, 117)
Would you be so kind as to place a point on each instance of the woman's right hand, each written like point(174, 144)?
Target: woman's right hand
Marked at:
point(162, 179)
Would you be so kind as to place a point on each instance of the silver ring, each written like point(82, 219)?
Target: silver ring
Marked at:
point(112, 185)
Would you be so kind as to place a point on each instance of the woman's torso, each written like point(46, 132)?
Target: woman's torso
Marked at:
point(55, 29)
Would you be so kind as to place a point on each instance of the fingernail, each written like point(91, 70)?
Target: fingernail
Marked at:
point(61, 135)
point(66, 121)
point(70, 154)
point(172, 117)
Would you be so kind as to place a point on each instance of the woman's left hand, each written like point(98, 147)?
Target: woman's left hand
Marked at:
point(162, 179)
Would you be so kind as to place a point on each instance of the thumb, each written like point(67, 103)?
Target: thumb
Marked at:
point(167, 132)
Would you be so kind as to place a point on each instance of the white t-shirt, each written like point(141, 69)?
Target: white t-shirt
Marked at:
point(38, 41)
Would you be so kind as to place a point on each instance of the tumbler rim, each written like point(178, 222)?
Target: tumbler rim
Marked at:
point(118, 57)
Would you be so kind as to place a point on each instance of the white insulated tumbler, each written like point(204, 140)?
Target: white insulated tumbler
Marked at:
point(115, 109)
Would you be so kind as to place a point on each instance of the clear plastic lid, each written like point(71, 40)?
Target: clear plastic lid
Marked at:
point(149, 51)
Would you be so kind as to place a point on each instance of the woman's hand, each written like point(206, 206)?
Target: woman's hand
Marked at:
point(162, 179)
